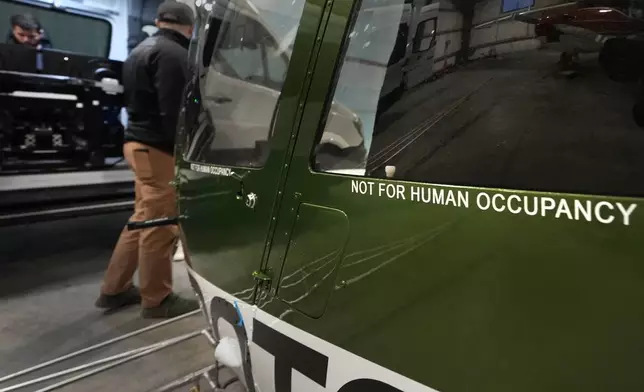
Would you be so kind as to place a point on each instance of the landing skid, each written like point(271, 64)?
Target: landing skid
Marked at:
point(204, 379)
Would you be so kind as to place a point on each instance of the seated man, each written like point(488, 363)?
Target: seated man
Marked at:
point(26, 30)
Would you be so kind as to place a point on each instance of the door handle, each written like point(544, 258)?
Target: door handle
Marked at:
point(249, 199)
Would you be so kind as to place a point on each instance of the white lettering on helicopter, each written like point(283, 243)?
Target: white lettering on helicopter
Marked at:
point(214, 170)
point(605, 212)
point(440, 196)
point(362, 187)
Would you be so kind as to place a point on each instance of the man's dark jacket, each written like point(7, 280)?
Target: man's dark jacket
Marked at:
point(154, 76)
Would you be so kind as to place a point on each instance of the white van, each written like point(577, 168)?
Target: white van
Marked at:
point(241, 75)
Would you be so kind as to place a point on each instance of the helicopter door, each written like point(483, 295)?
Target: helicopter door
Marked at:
point(234, 136)
point(313, 229)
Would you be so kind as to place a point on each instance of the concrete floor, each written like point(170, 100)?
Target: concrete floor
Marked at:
point(50, 278)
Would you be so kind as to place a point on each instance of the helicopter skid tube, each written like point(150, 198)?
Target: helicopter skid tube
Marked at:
point(95, 347)
point(193, 378)
point(108, 363)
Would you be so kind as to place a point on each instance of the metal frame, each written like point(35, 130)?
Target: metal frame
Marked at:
point(114, 360)
point(110, 362)
point(127, 356)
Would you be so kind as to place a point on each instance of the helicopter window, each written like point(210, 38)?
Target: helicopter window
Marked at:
point(240, 86)
point(239, 54)
point(533, 118)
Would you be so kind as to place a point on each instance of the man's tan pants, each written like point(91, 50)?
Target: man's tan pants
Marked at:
point(150, 249)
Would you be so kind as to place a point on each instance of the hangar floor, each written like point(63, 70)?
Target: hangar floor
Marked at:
point(51, 274)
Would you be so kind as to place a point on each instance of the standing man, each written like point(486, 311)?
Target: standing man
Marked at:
point(154, 76)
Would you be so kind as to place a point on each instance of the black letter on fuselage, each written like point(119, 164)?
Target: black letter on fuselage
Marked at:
point(290, 354)
point(367, 385)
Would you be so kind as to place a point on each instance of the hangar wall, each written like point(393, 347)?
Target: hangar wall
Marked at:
point(505, 36)
point(448, 37)
point(498, 38)
point(501, 37)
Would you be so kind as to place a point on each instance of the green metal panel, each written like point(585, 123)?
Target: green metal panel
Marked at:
point(227, 239)
point(306, 280)
point(462, 299)
point(451, 295)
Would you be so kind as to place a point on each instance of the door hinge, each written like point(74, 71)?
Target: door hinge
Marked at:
point(263, 278)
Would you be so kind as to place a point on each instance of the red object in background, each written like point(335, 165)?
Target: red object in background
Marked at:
point(601, 20)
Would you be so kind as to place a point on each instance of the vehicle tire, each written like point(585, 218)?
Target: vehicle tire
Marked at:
point(618, 61)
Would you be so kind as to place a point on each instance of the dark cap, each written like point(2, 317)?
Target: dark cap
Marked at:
point(172, 11)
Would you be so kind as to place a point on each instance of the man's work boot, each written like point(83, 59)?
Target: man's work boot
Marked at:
point(171, 306)
point(130, 296)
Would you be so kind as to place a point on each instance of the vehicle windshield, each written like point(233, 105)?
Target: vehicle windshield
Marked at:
point(61, 30)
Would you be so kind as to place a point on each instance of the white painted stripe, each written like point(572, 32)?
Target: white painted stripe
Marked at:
point(41, 95)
